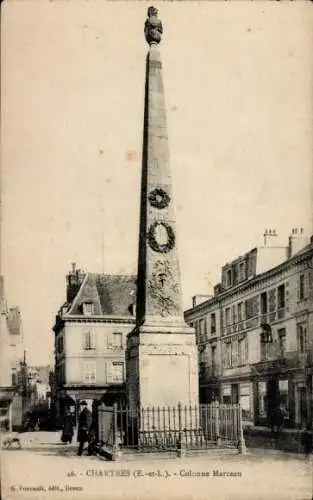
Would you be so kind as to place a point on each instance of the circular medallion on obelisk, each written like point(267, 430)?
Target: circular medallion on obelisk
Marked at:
point(161, 237)
point(159, 198)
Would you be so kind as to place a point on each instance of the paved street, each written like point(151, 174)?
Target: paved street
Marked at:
point(46, 468)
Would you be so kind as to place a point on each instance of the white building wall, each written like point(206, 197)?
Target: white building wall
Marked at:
point(103, 356)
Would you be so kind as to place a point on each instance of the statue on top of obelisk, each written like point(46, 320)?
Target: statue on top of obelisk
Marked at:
point(153, 27)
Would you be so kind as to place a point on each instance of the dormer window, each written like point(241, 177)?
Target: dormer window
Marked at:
point(228, 278)
point(64, 309)
point(242, 271)
point(88, 308)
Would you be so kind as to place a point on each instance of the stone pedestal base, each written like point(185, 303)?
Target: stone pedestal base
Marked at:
point(162, 368)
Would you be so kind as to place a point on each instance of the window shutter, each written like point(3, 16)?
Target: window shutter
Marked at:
point(308, 283)
point(246, 352)
point(257, 305)
point(109, 340)
point(93, 340)
point(109, 371)
point(85, 340)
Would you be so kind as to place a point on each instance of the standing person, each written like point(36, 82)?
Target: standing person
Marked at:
point(84, 423)
point(277, 419)
point(68, 427)
point(93, 431)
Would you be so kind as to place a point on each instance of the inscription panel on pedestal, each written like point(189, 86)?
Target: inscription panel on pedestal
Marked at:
point(175, 370)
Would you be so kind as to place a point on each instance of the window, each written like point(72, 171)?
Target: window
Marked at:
point(202, 330)
point(228, 278)
point(227, 316)
point(242, 271)
point(281, 297)
point(213, 357)
point(272, 300)
point(240, 311)
point(301, 287)
point(234, 314)
point(244, 399)
point(89, 371)
point(118, 372)
point(263, 303)
point(88, 309)
point(243, 351)
point(14, 379)
point(283, 397)
point(117, 340)
point(226, 393)
point(247, 309)
point(213, 323)
point(227, 354)
point(302, 337)
point(234, 353)
point(282, 342)
point(235, 274)
point(89, 341)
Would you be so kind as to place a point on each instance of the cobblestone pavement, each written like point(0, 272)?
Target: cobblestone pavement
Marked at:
point(45, 468)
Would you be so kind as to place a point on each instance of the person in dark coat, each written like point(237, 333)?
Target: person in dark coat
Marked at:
point(277, 419)
point(68, 428)
point(84, 424)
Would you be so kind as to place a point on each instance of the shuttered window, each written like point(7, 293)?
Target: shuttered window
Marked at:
point(89, 340)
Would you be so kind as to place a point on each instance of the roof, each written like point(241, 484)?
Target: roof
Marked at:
point(305, 252)
point(111, 294)
point(304, 249)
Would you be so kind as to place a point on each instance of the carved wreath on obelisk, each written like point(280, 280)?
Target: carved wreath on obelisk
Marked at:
point(164, 288)
point(159, 198)
point(153, 27)
point(156, 245)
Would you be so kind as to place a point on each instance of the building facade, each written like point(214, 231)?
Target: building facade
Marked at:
point(11, 353)
point(255, 333)
point(90, 338)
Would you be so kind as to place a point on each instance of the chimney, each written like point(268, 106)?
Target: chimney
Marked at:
point(269, 235)
point(73, 281)
point(199, 298)
point(297, 241)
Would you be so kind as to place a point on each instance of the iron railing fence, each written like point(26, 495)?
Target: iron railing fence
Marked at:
point(167, 428)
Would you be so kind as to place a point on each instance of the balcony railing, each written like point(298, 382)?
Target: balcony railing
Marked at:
point(282, 361)
point(258, 320)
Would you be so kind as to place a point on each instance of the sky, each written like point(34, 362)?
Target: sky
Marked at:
point(238, 82)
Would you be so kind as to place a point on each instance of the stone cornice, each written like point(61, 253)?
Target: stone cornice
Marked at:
point(61, 322)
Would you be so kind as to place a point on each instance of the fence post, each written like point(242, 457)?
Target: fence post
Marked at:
point(181, 448)
point(217, 423)
point(10, 415)
point(241, 443)
point(115, 448)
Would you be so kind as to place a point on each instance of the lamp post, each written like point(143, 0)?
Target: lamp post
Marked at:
point(24, 383)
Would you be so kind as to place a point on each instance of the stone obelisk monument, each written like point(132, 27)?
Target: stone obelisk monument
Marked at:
point(161, 358)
